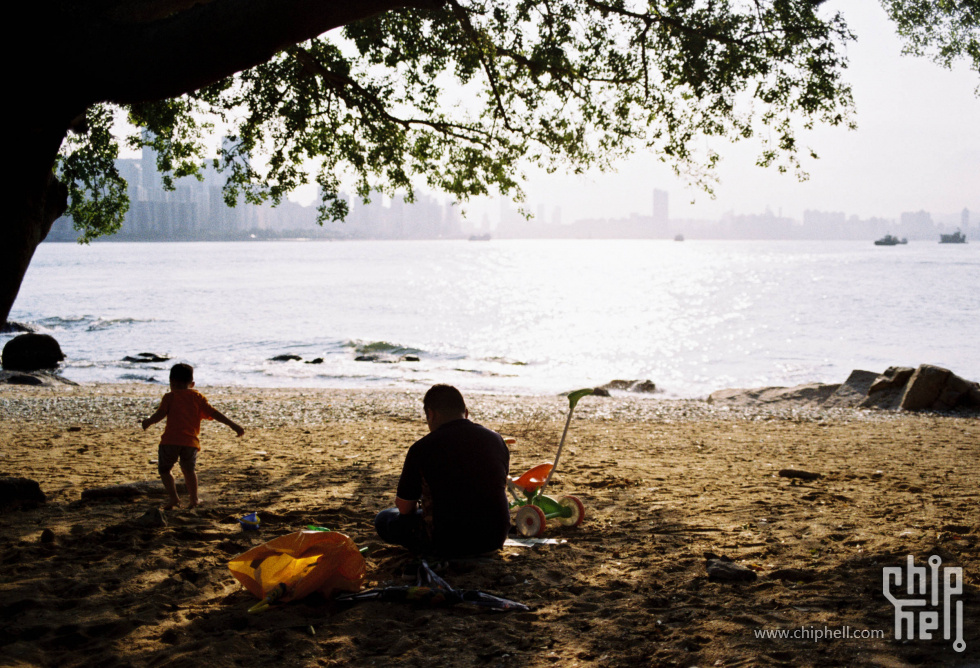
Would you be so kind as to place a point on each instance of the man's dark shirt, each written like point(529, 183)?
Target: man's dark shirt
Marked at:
point(459, 473)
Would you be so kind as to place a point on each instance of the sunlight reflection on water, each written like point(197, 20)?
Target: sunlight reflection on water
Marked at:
point(521, 316)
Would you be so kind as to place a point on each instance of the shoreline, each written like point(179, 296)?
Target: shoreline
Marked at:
point(108, 404)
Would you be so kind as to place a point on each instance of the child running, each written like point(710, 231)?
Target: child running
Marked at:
point(184, 408)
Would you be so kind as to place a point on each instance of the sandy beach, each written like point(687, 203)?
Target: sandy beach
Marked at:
point(666, 485)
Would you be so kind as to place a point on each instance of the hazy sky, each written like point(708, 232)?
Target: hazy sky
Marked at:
point(917, 147)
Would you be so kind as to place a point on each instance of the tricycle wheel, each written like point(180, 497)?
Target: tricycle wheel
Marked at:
point(530, 521)
point(577, 508)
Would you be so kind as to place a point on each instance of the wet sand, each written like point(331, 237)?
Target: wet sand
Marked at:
point(664, 484)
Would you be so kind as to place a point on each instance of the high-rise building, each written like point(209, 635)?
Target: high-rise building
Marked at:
point(660, 210)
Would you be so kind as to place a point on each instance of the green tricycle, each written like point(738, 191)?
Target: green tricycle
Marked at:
point(535, 508)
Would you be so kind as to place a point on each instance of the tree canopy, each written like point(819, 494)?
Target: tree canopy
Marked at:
point(461, 96)
point(456, 95)
point(944, 30)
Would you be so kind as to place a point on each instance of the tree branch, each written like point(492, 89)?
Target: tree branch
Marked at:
point(205, 44)
point(665, 20)
point(464, 22)
point(339, 81)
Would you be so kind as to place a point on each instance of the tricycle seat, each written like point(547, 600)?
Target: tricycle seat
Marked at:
point(534, 478)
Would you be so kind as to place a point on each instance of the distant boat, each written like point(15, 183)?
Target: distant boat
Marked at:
point(956, 237)
point(479, 237)
point(678, 237)
point(889, 240)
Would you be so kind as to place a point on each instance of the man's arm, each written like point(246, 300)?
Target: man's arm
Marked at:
point(406, 507)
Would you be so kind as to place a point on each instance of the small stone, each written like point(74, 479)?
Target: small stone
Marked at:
point(47, 537)
point(796, 473)
point(154, 517)
point(725, 571)
point(644, 386)
point(286, 358)
point(145, 358)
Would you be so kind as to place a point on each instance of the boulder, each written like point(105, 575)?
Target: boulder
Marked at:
point(140, 378)
point(887, 389)
point(617, 385)
point(894, 377)
point(642, 386)
point(935, 388)
point(145, 358)
point(32, 352)
point(37, 378)
point(16, 492)
point(853, 391)
point(899, 388)
point(11, 327)
point(928, 387)
point(923, 388)
point(957, 392)
point(286, 358)
point(18, 378)
point(811, 394)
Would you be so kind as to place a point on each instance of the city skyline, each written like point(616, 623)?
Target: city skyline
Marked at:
point(195, 210)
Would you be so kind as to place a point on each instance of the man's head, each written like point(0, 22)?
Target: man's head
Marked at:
point(181, 376)
point(443, 403)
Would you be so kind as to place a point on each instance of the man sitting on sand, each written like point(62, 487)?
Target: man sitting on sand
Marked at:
point(451, 498)
point(184, 408)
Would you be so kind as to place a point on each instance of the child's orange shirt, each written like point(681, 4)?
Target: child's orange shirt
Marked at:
point(185, 409)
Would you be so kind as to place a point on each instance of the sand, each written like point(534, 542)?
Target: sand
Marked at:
point(664, 484)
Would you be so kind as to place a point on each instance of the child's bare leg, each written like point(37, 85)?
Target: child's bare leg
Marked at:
point(190, 479)
point(170, 485)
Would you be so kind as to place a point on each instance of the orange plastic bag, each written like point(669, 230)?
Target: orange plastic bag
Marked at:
point(296, 565)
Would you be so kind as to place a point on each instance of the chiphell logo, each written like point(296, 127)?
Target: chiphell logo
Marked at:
point(934, 592)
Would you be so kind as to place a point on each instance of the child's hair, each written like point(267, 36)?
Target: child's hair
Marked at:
point(181, 373)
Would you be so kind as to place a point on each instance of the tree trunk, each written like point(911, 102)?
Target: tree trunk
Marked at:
point(37, 199)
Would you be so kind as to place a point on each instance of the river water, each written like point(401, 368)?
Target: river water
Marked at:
point(516, 316)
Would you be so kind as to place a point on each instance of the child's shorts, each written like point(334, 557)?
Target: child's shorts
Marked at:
point(168, 455)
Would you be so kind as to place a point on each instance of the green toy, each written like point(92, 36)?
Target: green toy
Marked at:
point(535, 508)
